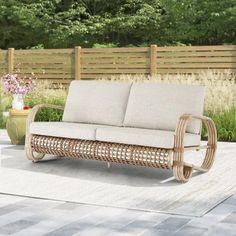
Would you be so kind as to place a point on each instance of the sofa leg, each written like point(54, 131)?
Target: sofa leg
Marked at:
point(35, 161)
point(108, 165)
point(35, 157)
point(31, 155)
point(182, 173)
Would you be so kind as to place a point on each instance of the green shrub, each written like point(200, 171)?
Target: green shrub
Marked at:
point(5, 104)
point(225, 122)
point(48, 114)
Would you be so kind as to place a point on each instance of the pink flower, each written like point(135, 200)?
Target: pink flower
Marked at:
point(16, 85)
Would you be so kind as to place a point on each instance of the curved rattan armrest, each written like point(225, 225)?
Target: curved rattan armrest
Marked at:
point(182, 125)
point(182, 170)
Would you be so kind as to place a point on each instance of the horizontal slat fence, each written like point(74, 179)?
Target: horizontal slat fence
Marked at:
point(64, 65)
point(98, 62)
point(193, 59)
point(54, 64)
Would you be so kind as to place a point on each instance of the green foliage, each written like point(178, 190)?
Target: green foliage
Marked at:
point(47, 114)
point(199, 22)
point(39, 46)
point(108, 45)
point(5, 104)
point(225, 122)
point(67, 23)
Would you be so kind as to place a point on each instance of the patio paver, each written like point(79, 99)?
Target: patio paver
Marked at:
point(45, 217)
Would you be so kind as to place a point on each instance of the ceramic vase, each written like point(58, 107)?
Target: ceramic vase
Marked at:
point(18, 102)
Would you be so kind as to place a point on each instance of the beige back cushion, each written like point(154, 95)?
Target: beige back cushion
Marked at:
point(97, 102)
point(158, 106)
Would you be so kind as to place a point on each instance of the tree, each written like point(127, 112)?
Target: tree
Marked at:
point(199, 22)
point(67, 23)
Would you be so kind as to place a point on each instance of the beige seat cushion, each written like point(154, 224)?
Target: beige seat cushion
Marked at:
point(97, 102)
point(64, 130)
point(143, 137)
point(158, 106)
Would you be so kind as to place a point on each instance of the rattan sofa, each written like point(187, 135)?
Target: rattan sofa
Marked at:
point(145, 124)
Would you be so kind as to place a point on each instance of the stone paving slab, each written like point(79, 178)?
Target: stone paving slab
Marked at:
point(27, 216)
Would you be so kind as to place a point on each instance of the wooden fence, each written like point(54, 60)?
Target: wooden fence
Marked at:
point(64, 65)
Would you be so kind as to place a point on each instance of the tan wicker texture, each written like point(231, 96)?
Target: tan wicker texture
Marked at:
point(103, 151)
point(37, 146)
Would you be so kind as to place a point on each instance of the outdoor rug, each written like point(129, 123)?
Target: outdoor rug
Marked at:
point(124, 186)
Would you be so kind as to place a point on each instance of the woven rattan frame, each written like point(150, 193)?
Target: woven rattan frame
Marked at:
point(37, 146)
point(103, 151)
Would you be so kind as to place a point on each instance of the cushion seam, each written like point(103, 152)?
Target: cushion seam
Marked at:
point(127, 104)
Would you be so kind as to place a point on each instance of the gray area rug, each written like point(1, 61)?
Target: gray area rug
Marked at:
point(122, 186)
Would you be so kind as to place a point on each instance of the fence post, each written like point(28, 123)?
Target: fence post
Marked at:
point(77, 63)
point(153, 60)
point(10, 60)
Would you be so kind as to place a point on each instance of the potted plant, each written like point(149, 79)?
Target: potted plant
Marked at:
point(18, 87)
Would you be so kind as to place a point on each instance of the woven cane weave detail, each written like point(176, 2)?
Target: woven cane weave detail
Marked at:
point(105, 151)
